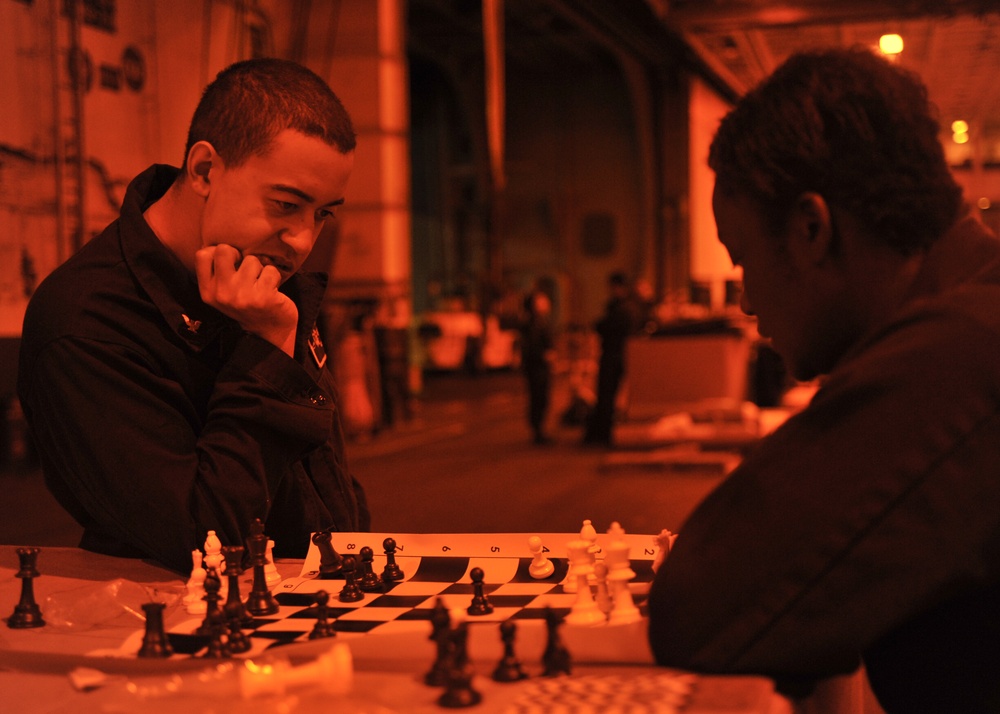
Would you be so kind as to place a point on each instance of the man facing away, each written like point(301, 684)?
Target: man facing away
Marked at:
point(171, 370)
point(866, 529)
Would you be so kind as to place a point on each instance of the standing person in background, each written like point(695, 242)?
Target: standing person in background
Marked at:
point(392, 343)
point(618, 322)
point(537, 358)
point(172, 371)
point(864, 530)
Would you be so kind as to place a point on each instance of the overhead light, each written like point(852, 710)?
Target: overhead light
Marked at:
point(984, 203)
point(891, 44)
point(960, 131)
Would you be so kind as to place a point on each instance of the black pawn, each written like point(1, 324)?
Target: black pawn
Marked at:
point(217, 644)
point(459, 692)
point(350, 592)
point(329, 559)
point(370, 582)
point(155, 642)
point(391, 573)
point(323, 627)
point(555, 659)
point(441, 636)
point(508, 669)
point(26, 613)
point(261, 601)
point(237, 641)
point(214, 618)
point(234, 607)
point(481, 604)
point(214, 624)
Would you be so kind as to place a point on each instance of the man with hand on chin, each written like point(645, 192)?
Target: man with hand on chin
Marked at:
point(171, 371)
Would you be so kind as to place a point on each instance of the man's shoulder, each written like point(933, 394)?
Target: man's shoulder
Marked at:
point(82, 293)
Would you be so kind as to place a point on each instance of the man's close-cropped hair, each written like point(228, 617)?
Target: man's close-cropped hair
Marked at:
point(249, 103)
point(852, 127)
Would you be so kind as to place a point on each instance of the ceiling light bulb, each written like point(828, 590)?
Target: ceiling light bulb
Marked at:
point(890, 44)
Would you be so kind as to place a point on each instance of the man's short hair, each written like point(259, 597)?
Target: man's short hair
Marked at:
point(249, 103)
point(855, 129)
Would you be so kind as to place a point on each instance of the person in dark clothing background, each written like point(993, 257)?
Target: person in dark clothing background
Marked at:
point(172, 371)
point(537, 358)
point(865, 529)
point(620, 319)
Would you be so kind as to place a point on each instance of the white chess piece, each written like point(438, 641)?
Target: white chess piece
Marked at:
point(603, 596)
point(213, 552)
point(194, 601)
point(541, 567)
point(620, 572)
point(584, 610)
point(271, 575)
point(664, 542)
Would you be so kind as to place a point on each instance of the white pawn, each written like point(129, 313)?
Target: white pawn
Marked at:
point(603, 597)
point(541, 567)
point(194, 601)
point(584, 610)
point(271, 575)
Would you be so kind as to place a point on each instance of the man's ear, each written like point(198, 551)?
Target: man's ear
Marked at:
point(201, 159)
point(811, 233)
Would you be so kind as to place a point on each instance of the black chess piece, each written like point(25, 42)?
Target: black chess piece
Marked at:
point(330, 560)
point(214, 618)
point(459, 692)
point(370, 582)
point(234, 607)
point(350, 592)
point(26, 614)
point(260, 601)
point(237, 641)
point(481, 604)
point(391, 573)
point(508, 669)
point(440, 635)
point(217, 644)
point(555, 659)
point(155, 642)
point(323, 627)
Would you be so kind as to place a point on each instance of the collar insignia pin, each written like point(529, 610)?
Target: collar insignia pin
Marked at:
point(316, 347)
point(192, 325)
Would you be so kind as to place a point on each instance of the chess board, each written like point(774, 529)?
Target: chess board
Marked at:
point(439, 566)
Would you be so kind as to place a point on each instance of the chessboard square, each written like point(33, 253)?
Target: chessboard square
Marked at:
point(440, 569)
point(311, 613)
point(534, 588)
point(461, 589)
point(396, 601)
point(513, 601)
point(187, 644)
point(382, 614)
point(643, 570)
point(539, 613)
point(302, 599)
point(356, 626)
point(287, 625)
point(412, 588)
point(495, 570)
